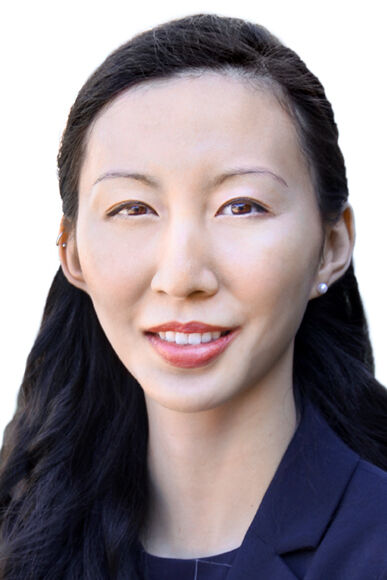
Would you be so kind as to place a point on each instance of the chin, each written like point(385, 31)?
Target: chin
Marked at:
point(186, 404)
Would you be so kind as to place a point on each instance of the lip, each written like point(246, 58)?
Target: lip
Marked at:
point(191, 356)
point(187, 327)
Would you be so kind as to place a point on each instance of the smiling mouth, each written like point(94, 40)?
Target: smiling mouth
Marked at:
point(189, 339)
point(201, 349)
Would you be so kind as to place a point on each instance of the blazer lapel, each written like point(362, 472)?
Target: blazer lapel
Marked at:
point(299, 502)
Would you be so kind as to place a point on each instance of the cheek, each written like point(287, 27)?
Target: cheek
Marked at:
point(116, 269)
point(276, 264)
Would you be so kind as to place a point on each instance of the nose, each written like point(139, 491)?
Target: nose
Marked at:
point(184, 259)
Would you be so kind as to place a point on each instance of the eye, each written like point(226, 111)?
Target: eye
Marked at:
point(131, 208)
point(243, 206)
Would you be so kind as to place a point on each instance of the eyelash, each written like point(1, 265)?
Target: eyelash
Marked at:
point(242, 200)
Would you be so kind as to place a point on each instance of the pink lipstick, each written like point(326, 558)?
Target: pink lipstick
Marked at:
point(187, 327)
point(191, 355)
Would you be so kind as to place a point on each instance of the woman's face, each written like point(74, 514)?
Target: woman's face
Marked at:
point(196, 204)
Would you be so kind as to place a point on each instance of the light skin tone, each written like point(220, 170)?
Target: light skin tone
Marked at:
point(217, 433)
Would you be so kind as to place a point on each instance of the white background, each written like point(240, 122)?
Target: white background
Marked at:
point(48, 49)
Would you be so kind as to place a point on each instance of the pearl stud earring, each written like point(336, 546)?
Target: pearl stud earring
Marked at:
point(322, 288)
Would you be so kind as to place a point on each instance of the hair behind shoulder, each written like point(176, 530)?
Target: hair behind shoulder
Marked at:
point(73, 482)
point(73, 472)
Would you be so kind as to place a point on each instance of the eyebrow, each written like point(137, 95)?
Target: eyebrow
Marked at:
point(218, 180)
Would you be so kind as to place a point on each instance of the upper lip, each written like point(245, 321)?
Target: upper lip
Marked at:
point(188, 327)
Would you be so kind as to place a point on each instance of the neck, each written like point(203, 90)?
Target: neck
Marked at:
point(213, 467)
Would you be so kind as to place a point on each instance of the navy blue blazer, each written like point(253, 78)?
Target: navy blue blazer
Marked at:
point(323, 517)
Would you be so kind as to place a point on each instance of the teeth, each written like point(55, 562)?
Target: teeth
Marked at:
point(181, 338)
point(184, 338)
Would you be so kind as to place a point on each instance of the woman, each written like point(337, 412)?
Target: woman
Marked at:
point(200, 400)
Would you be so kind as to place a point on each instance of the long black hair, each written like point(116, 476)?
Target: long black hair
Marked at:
point(73, 480)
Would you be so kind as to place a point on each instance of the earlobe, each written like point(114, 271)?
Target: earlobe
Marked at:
point(337, 252)
point(68, 255)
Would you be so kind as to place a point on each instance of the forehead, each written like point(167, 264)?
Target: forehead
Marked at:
point(182, 123)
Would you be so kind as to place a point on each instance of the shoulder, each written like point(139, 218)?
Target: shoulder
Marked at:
point(353, 540)
point(365, 499)
point(368, 476)
point(364, 505)
point(355, 543)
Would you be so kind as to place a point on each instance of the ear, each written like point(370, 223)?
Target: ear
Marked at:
point(337, 250)
point(68, 254)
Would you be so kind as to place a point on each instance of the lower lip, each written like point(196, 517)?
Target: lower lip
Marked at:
point(191, 356)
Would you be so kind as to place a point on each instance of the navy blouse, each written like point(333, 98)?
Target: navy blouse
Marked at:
point(208, 568)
